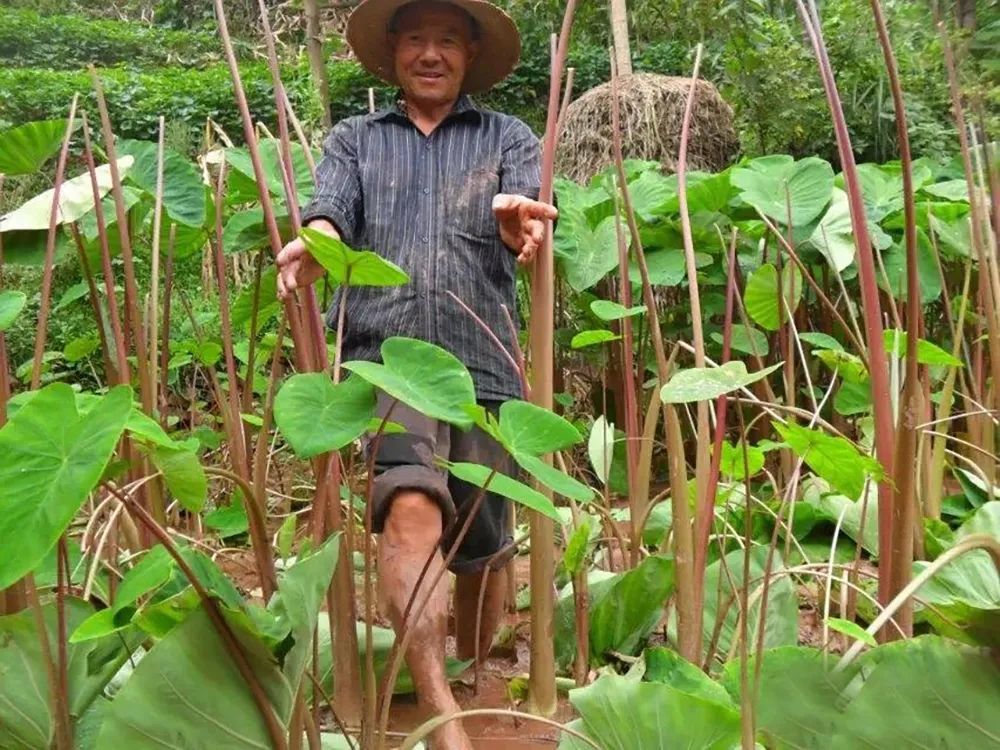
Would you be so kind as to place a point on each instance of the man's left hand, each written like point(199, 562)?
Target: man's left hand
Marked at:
point(522, 223)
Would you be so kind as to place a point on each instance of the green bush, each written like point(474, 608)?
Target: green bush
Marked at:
point(31, 40)
point(136, 100)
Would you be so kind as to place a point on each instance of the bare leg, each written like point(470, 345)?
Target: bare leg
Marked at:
point(466, 604)
point(411, 533)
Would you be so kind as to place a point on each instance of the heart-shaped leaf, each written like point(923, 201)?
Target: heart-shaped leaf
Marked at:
point(52, 459)
point(27, 147)
point(764, 304)
point(501, 484)
point(779, 187)
point(12, 302)
point(424, 376)
point(704, 383)
point(349, 267)
point(315, 415)
point(594, 253)
point(184, 197)
point(527, 428)
point(608, 310)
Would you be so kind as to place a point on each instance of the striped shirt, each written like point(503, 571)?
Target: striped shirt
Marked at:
point(425, 203)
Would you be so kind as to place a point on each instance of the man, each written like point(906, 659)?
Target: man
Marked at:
point(447, 191)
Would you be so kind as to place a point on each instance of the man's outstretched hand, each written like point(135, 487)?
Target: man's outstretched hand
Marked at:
point(297, 269)
point(522, 223)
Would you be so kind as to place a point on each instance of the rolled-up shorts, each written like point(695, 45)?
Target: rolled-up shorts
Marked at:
point(405, 461)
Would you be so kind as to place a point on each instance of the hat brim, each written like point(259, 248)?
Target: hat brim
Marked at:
point(499, 41)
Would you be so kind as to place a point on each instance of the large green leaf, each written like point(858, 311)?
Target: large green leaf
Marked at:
point(798, 698)
point(184, 475)
point(245, 230)
point(553, 478)
point(11, 304)
point(296, 605)
point(27, 147)
point(620, 713)
point(927, 353)
point(772, 183)
point(183, 190)
point(722, 590)
point(25, 720)
point(608, 310)
point(923, 693)
point(187, 693)
point(52, 458)
point(649, 193)
point(894, 280)
point(835, 459)
point(666, 267)
point(594, 253)
point(243, 182)
point(527, 428)
point(705, 383)
point(76, 198)
point(316, 415)
point(424, 376)
point(670, 668)
point(348, 267)
point(744, 339)
point(764, 303)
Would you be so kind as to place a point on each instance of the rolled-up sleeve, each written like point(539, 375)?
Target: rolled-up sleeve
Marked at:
point(521, 162)
point(338, 196)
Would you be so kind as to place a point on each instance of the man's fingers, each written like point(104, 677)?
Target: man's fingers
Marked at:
point(538, 210)
point(291, 252)
point(504, 203)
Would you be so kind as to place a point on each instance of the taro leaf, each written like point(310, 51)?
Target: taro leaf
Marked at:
point(242, 175)
point(27, 147)
point(770, 183)
point(246, 230)
point(848, 512)
point(27, 248)
point(852, 630)
point(619, 713)
point(76, 197)
point(423, 376)
point(608, 310)
point(601, 447)
point(761, 296)
point(962, 601)
point(821, 341)
point(187, 693)
point(527, 428)
point(589, 338)
point(923, 693)
point(501, 484)
point(382, 640)
point(71, 295)
point(578, 545)
point(594, 254)
point(25, 721)
point(739, 462)
point(852, 398)
point(316, 415)
point(147, 429)
point(834, 235)
point(835, 459)
point(706, 383)
point(81, 348)
point(927, 353)
point(952, 190)
point(349, 267)
point(229, 520)
point(52, 458)
point(11, 304)
point(553, 478)
point(301, 592)
point(882, 191)
point(183, 190)
point(927, 270)
point(184, 475)
point(268, 304)
point(666, 267)
point(849, 366)
point(745, 339)
point(797, 702)
point(706, 193)
point(650, 193)
point(670, 668)
point(781, 627)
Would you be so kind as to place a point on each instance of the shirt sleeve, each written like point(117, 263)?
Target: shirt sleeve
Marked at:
point(521, 161)
point(338, 196)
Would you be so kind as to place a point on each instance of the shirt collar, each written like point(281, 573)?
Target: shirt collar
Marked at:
point(465, 108)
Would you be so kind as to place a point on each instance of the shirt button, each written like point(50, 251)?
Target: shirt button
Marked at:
point(427, 146)
point(426, 191)
point(425, 238)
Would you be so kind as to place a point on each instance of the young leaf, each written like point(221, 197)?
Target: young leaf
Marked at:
point(52, 459)
point(927, 353)
point(601, 447)
point(315, 415)
point(852, 630)
point(553, 478)
point(352, 267)
point(833, 458)
point(594, 254)
point(229, 520)
point(608, 310)
point(576, 547)
point(525, 427)
point(705, 383)
point(424, 376)
point(501, 484)
point(184, 475)
point(589, 338)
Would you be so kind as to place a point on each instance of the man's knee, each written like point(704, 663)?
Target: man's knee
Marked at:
point(414, 518)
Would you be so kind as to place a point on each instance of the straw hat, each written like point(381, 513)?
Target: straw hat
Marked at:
point(499, 41)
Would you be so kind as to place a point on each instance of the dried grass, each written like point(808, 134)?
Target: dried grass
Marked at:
point(652, 110)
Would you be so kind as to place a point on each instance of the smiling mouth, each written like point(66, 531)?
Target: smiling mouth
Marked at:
point(430, 76)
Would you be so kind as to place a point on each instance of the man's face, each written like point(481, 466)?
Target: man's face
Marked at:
point(433, 47)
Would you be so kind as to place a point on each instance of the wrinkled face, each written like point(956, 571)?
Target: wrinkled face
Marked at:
point(433, 45)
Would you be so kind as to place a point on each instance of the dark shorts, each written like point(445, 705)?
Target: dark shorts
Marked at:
point(405, 461)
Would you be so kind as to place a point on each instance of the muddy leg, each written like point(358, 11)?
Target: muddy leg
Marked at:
point(467, 589)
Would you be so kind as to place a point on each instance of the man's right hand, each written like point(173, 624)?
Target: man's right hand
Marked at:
point(297, 269)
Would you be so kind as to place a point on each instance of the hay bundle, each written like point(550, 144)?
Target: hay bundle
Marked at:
point(652, 110)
